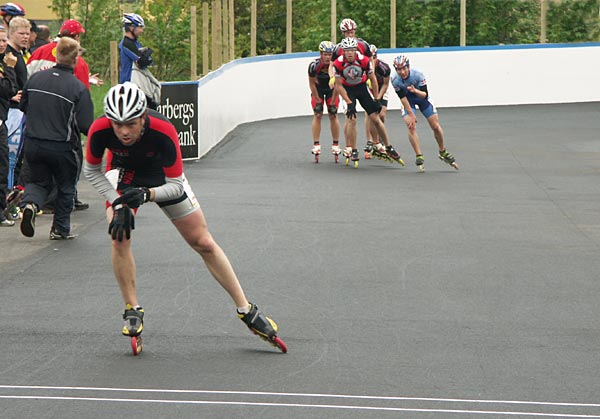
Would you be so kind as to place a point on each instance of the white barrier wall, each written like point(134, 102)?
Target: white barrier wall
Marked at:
point(259, 88)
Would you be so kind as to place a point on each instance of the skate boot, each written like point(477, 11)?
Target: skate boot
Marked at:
point(391, 151)
point(420, 162)
point(336, 151)
point(448, 158)
point(134, 323)
point(368, 149)
point(379, 152)
point(262, 326)
point(354, 158)
point(316, 150)
point(347, 154)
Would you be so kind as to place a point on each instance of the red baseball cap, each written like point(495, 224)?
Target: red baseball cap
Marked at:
point(71, 27)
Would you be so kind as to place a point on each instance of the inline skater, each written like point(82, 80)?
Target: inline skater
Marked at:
point(322, 95)
point(352, 70)
point(144, 162)
point(411, 83)
point(382, 73)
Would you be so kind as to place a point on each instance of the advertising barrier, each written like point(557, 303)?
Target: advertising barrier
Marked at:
point(179, 102)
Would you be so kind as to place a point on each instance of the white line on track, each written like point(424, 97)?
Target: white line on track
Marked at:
point(298, 405)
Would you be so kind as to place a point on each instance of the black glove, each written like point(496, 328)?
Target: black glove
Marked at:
point(133, 197)
point(123, 221)
point(351, 111)
point(318, 108)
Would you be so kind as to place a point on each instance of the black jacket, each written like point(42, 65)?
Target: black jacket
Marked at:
point(57, 105)
point(20, 70)
point(8, 87)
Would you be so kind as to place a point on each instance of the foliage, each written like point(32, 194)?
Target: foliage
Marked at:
point(420, 23)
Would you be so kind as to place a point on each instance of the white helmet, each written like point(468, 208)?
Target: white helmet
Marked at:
point(124, 102)
point(349, 43)
point(133, 19)
point(347, 25)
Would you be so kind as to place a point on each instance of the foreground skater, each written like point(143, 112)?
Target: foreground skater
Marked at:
point(145, 165)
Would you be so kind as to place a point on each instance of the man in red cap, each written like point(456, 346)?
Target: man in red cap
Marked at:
point(45, 56)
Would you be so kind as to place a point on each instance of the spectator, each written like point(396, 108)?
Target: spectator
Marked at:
point(44, 58)
point(18, 41)
point(133, 27)
point(63, 108)
point(33, 34)
point(43, 38)
point(8, 88)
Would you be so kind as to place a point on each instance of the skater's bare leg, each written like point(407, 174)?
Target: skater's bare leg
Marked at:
point(413, 138)
point(316, 126)
point(335, 126)
point(124, 267)
point(194, 230)
point(438, 133)
point(350, 132)
point(381, 131)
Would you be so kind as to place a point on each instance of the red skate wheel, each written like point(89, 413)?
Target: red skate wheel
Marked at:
point(136, 345)
point(280, 344)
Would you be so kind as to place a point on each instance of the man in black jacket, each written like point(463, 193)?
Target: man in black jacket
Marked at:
point(58, 108)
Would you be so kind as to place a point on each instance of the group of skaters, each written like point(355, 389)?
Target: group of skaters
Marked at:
point(132, 157)
point(353, 72)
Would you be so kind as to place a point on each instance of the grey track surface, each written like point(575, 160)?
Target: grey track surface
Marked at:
point(459, 291)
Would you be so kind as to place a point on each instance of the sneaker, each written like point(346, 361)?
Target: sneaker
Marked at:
point(56, 235)
point(258, 322)
point(6, 222)
point(28, 221)
point(79, 206)
point(134, 321)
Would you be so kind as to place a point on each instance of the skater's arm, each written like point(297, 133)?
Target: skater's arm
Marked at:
point(383, 88)
point(94, 174)
point(421, 92)
point(312, 83)
point(374, 85)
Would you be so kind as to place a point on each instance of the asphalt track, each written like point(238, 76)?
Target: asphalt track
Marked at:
point(444, 294)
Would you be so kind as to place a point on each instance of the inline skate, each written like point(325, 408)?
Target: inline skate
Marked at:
point(133, 325)
point(448, 158)
point(263, 327)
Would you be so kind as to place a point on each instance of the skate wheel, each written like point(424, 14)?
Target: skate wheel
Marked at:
point(336, 158)
point(367, 155)
point(421, 168)
point(356, 164)
point(347, 161)
point(455, 165)
point(316, 158)
point(136, 345)
point(280, 344)
point(401, 162)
